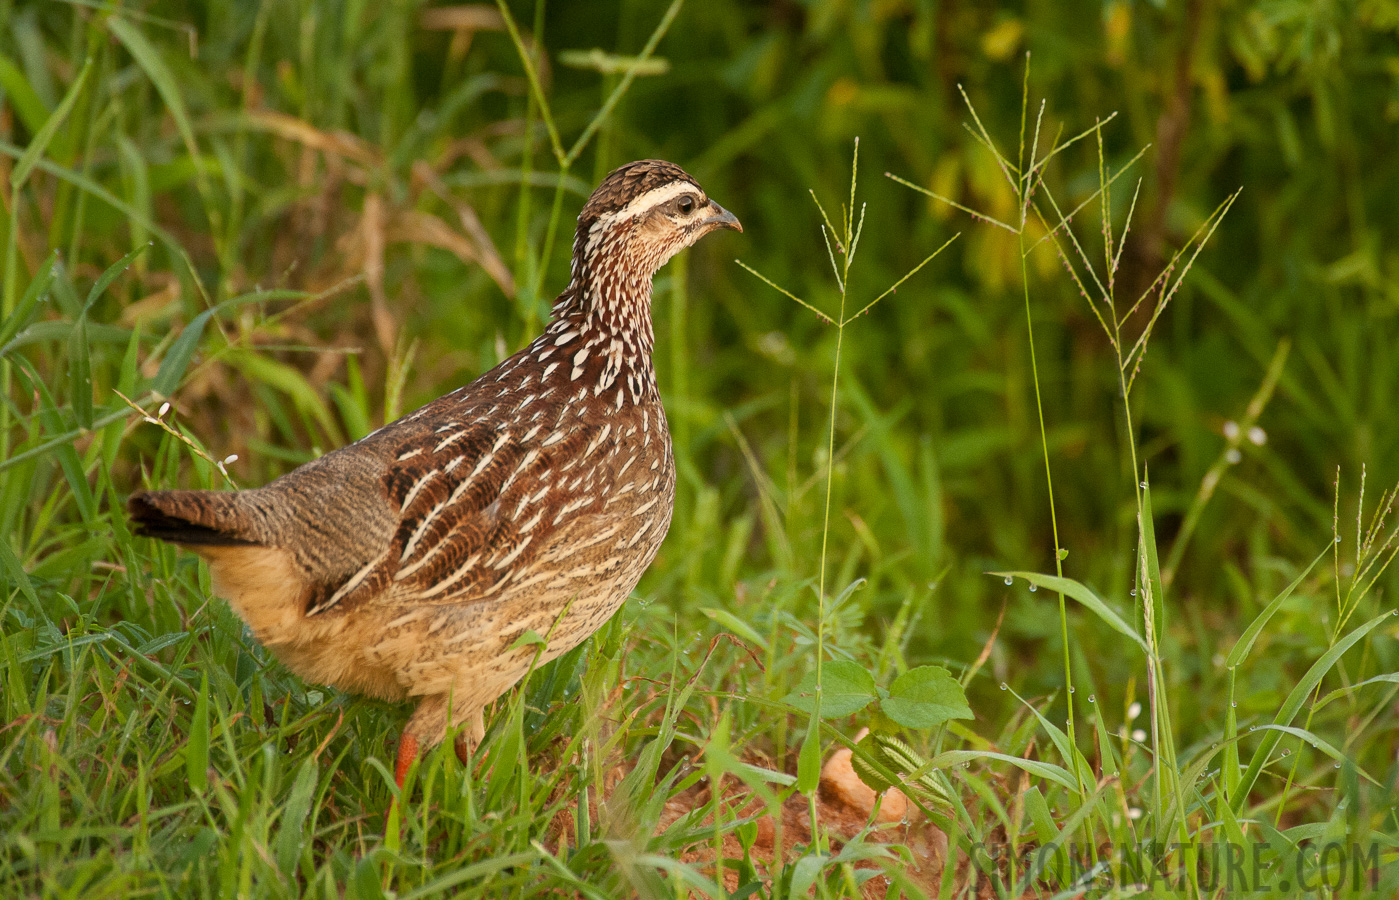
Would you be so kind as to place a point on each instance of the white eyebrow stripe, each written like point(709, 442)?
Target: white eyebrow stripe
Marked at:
point(657, 196)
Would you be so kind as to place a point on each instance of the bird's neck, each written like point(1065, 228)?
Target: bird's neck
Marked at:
point(608, 300)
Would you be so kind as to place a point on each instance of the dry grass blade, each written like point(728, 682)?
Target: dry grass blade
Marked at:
point(466, 17)
point(348, 147)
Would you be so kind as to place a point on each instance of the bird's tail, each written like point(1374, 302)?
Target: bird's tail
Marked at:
point(197, 518)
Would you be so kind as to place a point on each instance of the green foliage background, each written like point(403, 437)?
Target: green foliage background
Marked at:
point(368, 196)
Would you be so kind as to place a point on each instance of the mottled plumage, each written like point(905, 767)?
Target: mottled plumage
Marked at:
point(408, 563)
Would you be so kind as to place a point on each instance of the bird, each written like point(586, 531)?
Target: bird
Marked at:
point(409, 564)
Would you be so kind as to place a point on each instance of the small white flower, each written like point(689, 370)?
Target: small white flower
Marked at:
point(1134, 710)
point(1231, 429)
point(1138, 735)
point(230, 458)
point(1134, 813)
point(1258, 436)
point(1233, 456)
point(164, 408)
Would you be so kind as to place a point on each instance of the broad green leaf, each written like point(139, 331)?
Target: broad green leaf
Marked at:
point(924, 697)
point(846, 688)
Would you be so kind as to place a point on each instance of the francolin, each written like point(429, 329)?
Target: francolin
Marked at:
point(407, 564)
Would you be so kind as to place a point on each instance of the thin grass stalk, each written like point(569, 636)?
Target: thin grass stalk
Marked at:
point(1024, 200)
point(1359, 588)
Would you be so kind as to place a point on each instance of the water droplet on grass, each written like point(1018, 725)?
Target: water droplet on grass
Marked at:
point(1004, 686)
point(1009, 580)
point(1034, 587)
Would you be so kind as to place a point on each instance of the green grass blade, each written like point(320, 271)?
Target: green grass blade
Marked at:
point(1294, 702)
point(38, 288)
point(1048, 771)
point(1245, 642)
point(112, 273)
point(36, 147)
point(21, 94)
point(1083, 595)
point(80, 373)
point(197, 743)
point(166, 84)
point(1318, 743)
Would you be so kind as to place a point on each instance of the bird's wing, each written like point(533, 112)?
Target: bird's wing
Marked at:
point(477, 495)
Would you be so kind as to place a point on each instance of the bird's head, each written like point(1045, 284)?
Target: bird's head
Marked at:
point(641, 215)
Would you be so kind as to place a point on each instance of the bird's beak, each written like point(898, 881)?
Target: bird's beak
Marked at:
point(721, 218)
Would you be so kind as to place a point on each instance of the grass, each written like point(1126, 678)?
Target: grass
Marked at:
point(274, 228)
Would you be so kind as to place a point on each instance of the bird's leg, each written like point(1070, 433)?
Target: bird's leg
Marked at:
point(469, 738)
point(427, 724)
point(423, 729)
point(407, 752)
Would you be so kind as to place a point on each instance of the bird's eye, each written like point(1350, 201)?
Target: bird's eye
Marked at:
point(686, 205)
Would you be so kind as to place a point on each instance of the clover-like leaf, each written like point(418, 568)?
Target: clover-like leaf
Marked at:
point(924, 697)
point(846, 688)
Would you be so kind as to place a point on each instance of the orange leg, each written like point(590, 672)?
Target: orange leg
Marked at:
point(407, 752)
